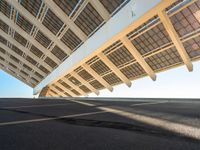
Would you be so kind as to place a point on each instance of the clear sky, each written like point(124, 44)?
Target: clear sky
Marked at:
point(12, 87)
point(176, 82)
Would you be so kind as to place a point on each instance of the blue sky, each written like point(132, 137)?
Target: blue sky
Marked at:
point(12, 87)
point(176, 82)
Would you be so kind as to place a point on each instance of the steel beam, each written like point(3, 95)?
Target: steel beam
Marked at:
point(14, 75)
point(78, 77)
point(131, 48)
point(74, 86)
point(28, 37)
point(56, 9)
point(115, 69)
point(79, 10)
point(66, 90)
point(39, 24)
point(21, 58)
point(97, 77)
point(100, 9)
point(175, 39)
point(57, 91)
point(16, 70)
point(19, 67)
point(24, 49)
point(116, 28)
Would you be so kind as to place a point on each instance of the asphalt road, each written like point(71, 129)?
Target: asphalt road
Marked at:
point(73, 124)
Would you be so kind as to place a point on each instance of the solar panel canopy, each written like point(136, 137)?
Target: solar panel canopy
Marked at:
point(38, 37)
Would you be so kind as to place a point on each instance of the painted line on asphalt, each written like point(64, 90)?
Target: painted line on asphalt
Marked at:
point(81, 102)
point(182, 129)
point(49, 118)
point(32, 106)
point(186, 130)
point(150, 103)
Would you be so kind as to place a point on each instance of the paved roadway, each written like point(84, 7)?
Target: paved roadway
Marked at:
point(73, 124)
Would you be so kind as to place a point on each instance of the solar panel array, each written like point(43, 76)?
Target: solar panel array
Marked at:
point(33, 46)
point(30, 54)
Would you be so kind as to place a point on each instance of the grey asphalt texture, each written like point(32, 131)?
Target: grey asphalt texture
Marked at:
point(94, 131)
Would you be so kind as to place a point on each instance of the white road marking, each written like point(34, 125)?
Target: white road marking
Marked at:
point(186, 130)
point(30, 106)
point(49, 118)
point(81, 102)
point(150, 103)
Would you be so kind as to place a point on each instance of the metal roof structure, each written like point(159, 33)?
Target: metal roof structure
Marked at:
point(42, 41)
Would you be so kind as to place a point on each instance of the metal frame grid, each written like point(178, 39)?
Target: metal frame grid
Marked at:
point(38, 75)
point(144, 26)
point(85, 75)
point(4, 26)
point(70, 39)
point(59, 89)
point(42, 39)
point(44, 92)
point(162, 55)
point(23, 23)
point(67, 6)
point(2, 58)
point(111, 5)
point(32, 6)
point(133, 71)
point(36, 51)
point(100, 67)
point(96, 84)
point(40, 10)
point(76, 92)
point(52, 22)
point(23, 72)
point(2, 50)
point(157, 52)
point(74, 81)
point(20, 39)
point(34, 79)
point(42, 68)
point(5, 8)
point(14, 58)
point(185, 21)
point(112, 79)
point(31, 60)
point(3, 40)
point(164, 59)
point(11, 64)
point(53, 92)
point(120, 56)
point(67, 94)
point(88, 20)
point(50, 62)
point(193, 47)
point(59, 53)
point(17, 50)
point(85, 89)
point(64, 84)
point(27, 67)
point(151, 39)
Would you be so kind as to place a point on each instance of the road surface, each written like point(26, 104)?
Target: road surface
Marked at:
point(113, 124)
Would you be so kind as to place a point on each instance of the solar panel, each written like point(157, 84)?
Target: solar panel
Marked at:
point(88, 20)
point(149, 37)
point(5, 8)
point(52, 22)
point(32, 6)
